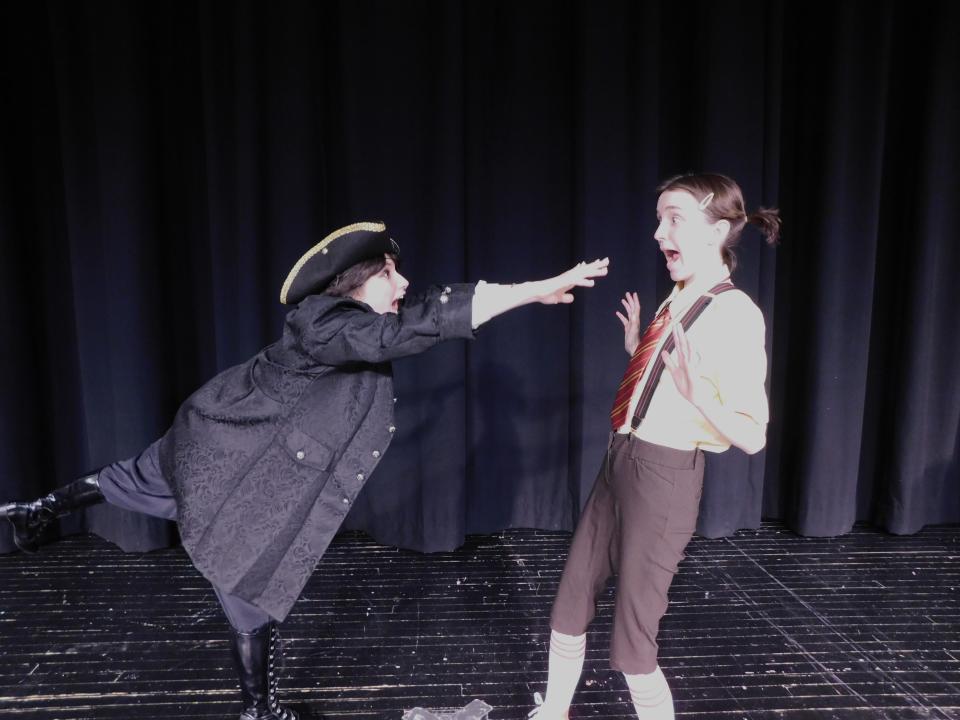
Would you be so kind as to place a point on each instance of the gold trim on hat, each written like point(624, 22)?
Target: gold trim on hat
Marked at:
point(366, 226)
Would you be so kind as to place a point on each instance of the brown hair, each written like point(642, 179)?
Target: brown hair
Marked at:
point(726, 204)
point(344, 284)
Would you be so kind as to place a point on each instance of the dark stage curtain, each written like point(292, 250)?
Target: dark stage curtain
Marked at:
point(162, 165)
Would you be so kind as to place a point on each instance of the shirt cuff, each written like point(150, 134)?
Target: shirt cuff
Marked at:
point(482, 308)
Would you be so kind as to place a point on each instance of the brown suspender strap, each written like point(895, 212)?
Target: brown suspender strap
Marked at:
point(657, 370)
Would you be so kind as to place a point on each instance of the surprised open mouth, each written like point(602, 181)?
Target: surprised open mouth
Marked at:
point(671, 255)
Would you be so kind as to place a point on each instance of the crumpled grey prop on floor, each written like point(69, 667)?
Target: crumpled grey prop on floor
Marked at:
point(476, 710)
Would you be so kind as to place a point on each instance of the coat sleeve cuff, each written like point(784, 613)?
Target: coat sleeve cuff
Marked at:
point(455, 317)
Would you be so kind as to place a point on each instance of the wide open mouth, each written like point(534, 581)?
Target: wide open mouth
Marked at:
point(671, 255)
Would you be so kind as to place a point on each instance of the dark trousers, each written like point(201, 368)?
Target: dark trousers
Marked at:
point(137, 484)
point(636, 524)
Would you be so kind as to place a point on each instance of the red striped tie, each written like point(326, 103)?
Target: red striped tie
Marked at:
point(638, 363)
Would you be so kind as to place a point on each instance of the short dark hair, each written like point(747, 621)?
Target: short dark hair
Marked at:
point(356, 275)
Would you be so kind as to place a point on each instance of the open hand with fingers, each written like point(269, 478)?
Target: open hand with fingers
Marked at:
point(631, 322)
point(556, 290)
point(685, 371)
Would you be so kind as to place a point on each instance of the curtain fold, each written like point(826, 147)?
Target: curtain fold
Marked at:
point(161, 168)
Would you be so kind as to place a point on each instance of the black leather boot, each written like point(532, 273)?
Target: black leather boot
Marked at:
point(30, 519)
point(256, 654)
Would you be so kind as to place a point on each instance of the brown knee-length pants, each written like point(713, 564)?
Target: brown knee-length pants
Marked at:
point(639, 518)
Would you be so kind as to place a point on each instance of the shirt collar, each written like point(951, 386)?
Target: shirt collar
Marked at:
point(682, 298)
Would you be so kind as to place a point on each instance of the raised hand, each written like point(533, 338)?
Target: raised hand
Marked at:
point(685, 371)
point(556, 290)
point(631, 322)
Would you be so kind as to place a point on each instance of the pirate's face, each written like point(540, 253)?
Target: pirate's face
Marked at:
point(384, 290)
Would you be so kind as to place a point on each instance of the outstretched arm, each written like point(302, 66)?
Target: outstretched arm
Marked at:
point(491, 299)
point(340, 332)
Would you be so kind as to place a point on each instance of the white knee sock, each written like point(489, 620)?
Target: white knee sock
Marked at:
point(564, 667)
point(651, 695)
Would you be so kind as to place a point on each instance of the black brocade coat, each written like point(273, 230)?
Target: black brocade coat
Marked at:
point(266, 459)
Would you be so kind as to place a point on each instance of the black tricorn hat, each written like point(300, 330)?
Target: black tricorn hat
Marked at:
point(337, 252)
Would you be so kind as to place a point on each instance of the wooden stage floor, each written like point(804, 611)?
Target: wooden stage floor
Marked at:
point(762, 625)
